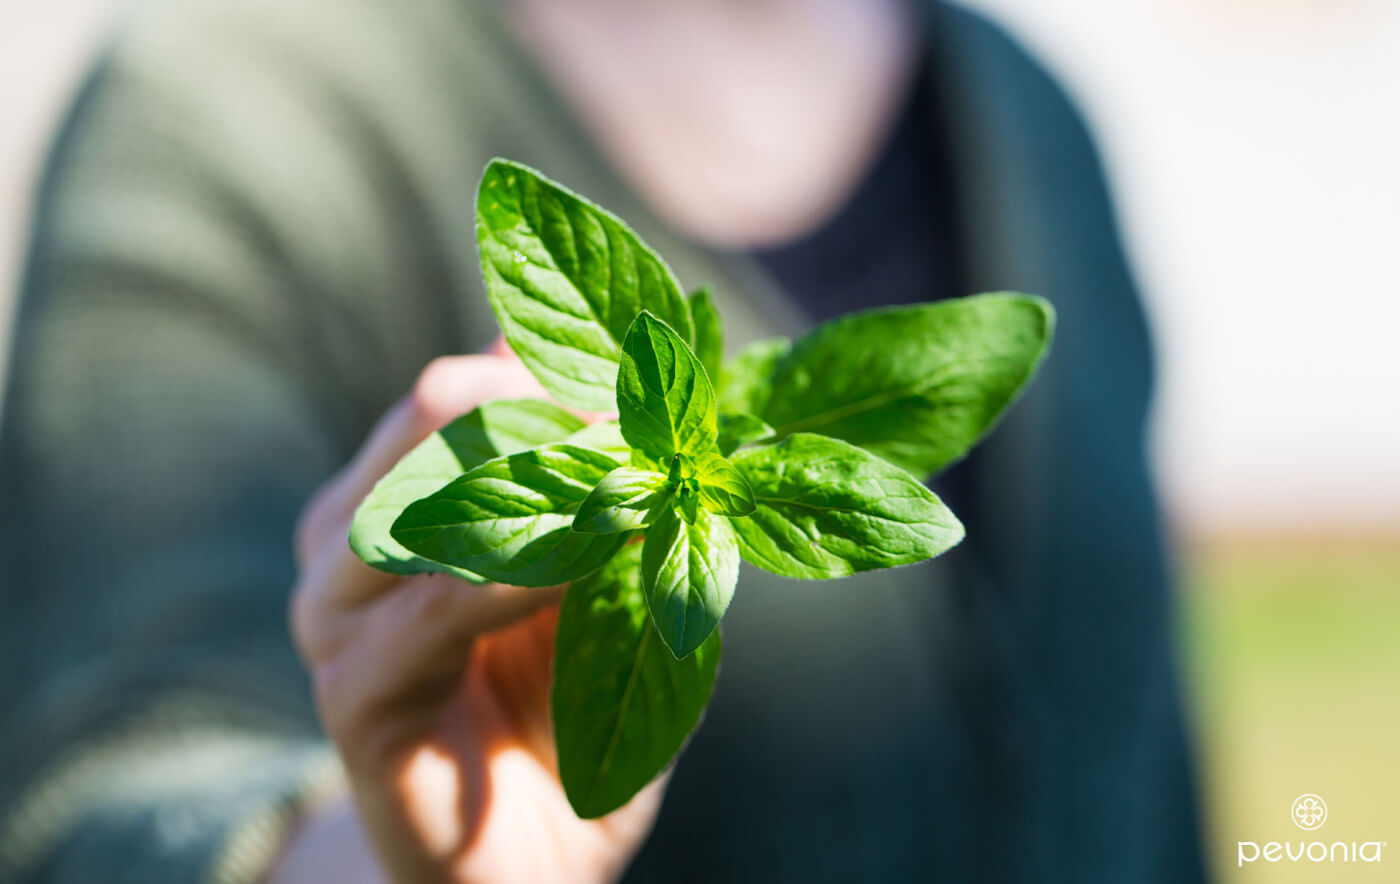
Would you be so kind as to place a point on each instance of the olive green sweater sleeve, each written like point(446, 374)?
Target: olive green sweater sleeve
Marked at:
point(240, 257)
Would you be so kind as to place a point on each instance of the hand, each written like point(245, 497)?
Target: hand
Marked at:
point(436, 691)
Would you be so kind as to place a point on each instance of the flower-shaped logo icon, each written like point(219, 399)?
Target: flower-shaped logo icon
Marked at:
point(1309, 812)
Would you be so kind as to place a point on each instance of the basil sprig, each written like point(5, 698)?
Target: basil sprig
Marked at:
point(805, 458)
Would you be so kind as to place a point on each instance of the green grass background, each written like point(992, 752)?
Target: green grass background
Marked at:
point(1292, 655)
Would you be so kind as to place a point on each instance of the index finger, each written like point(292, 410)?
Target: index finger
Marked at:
point(448, 387)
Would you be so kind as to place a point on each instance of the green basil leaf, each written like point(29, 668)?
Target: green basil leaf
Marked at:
point(511, 518)
point(689, 505)
point(917, 385)
point(643, 461)
point(723, 489)
point(605, 436)
point(664, 400)
point(829, 509)
point(689, 570)
point(741, 429)
point(622, 705)
point(624, 500)
point(566, 278)
point(491, 430)
point(709, 332)
point(745, 382)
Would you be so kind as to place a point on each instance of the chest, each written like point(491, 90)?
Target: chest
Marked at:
point(740, 124)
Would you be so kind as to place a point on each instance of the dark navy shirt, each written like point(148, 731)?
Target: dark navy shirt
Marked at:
point(892, 240)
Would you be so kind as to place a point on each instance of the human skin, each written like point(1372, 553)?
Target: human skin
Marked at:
point(436, 694)
point(738, 122)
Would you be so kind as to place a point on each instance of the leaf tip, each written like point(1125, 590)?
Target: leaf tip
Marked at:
point(586, 807)
point(684, 644)
point(1047, 312)
point(1042, 306)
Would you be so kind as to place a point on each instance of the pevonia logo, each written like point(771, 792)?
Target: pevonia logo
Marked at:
point(1308, 813)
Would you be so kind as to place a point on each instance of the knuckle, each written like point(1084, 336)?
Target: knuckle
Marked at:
point(446, 387)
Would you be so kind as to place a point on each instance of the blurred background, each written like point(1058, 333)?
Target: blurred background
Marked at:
point(1252, 146)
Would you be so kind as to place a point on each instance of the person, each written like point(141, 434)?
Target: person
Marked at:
point(256, 230)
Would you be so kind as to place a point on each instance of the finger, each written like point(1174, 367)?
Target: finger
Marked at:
point(631, 822)
point(500, 347)
point(516, 664)
point(447, 388)
point(419, 638)
point(329, 590)
point(333, 579)
point(407, 659)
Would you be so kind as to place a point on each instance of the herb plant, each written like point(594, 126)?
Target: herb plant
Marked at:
point(806, 459)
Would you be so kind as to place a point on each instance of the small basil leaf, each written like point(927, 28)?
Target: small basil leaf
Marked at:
point(689, 570)
point(624, 500)
point(709, 332)
point(689, 503)
point(491, 430)
point(723, 489)
point(917, 385)
point(745, 382)
point(622, 705)
point(566, 278)
point(741, 429)
point(511, 518)
point(829, 509)
point(664, 400)
point(605, 436)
